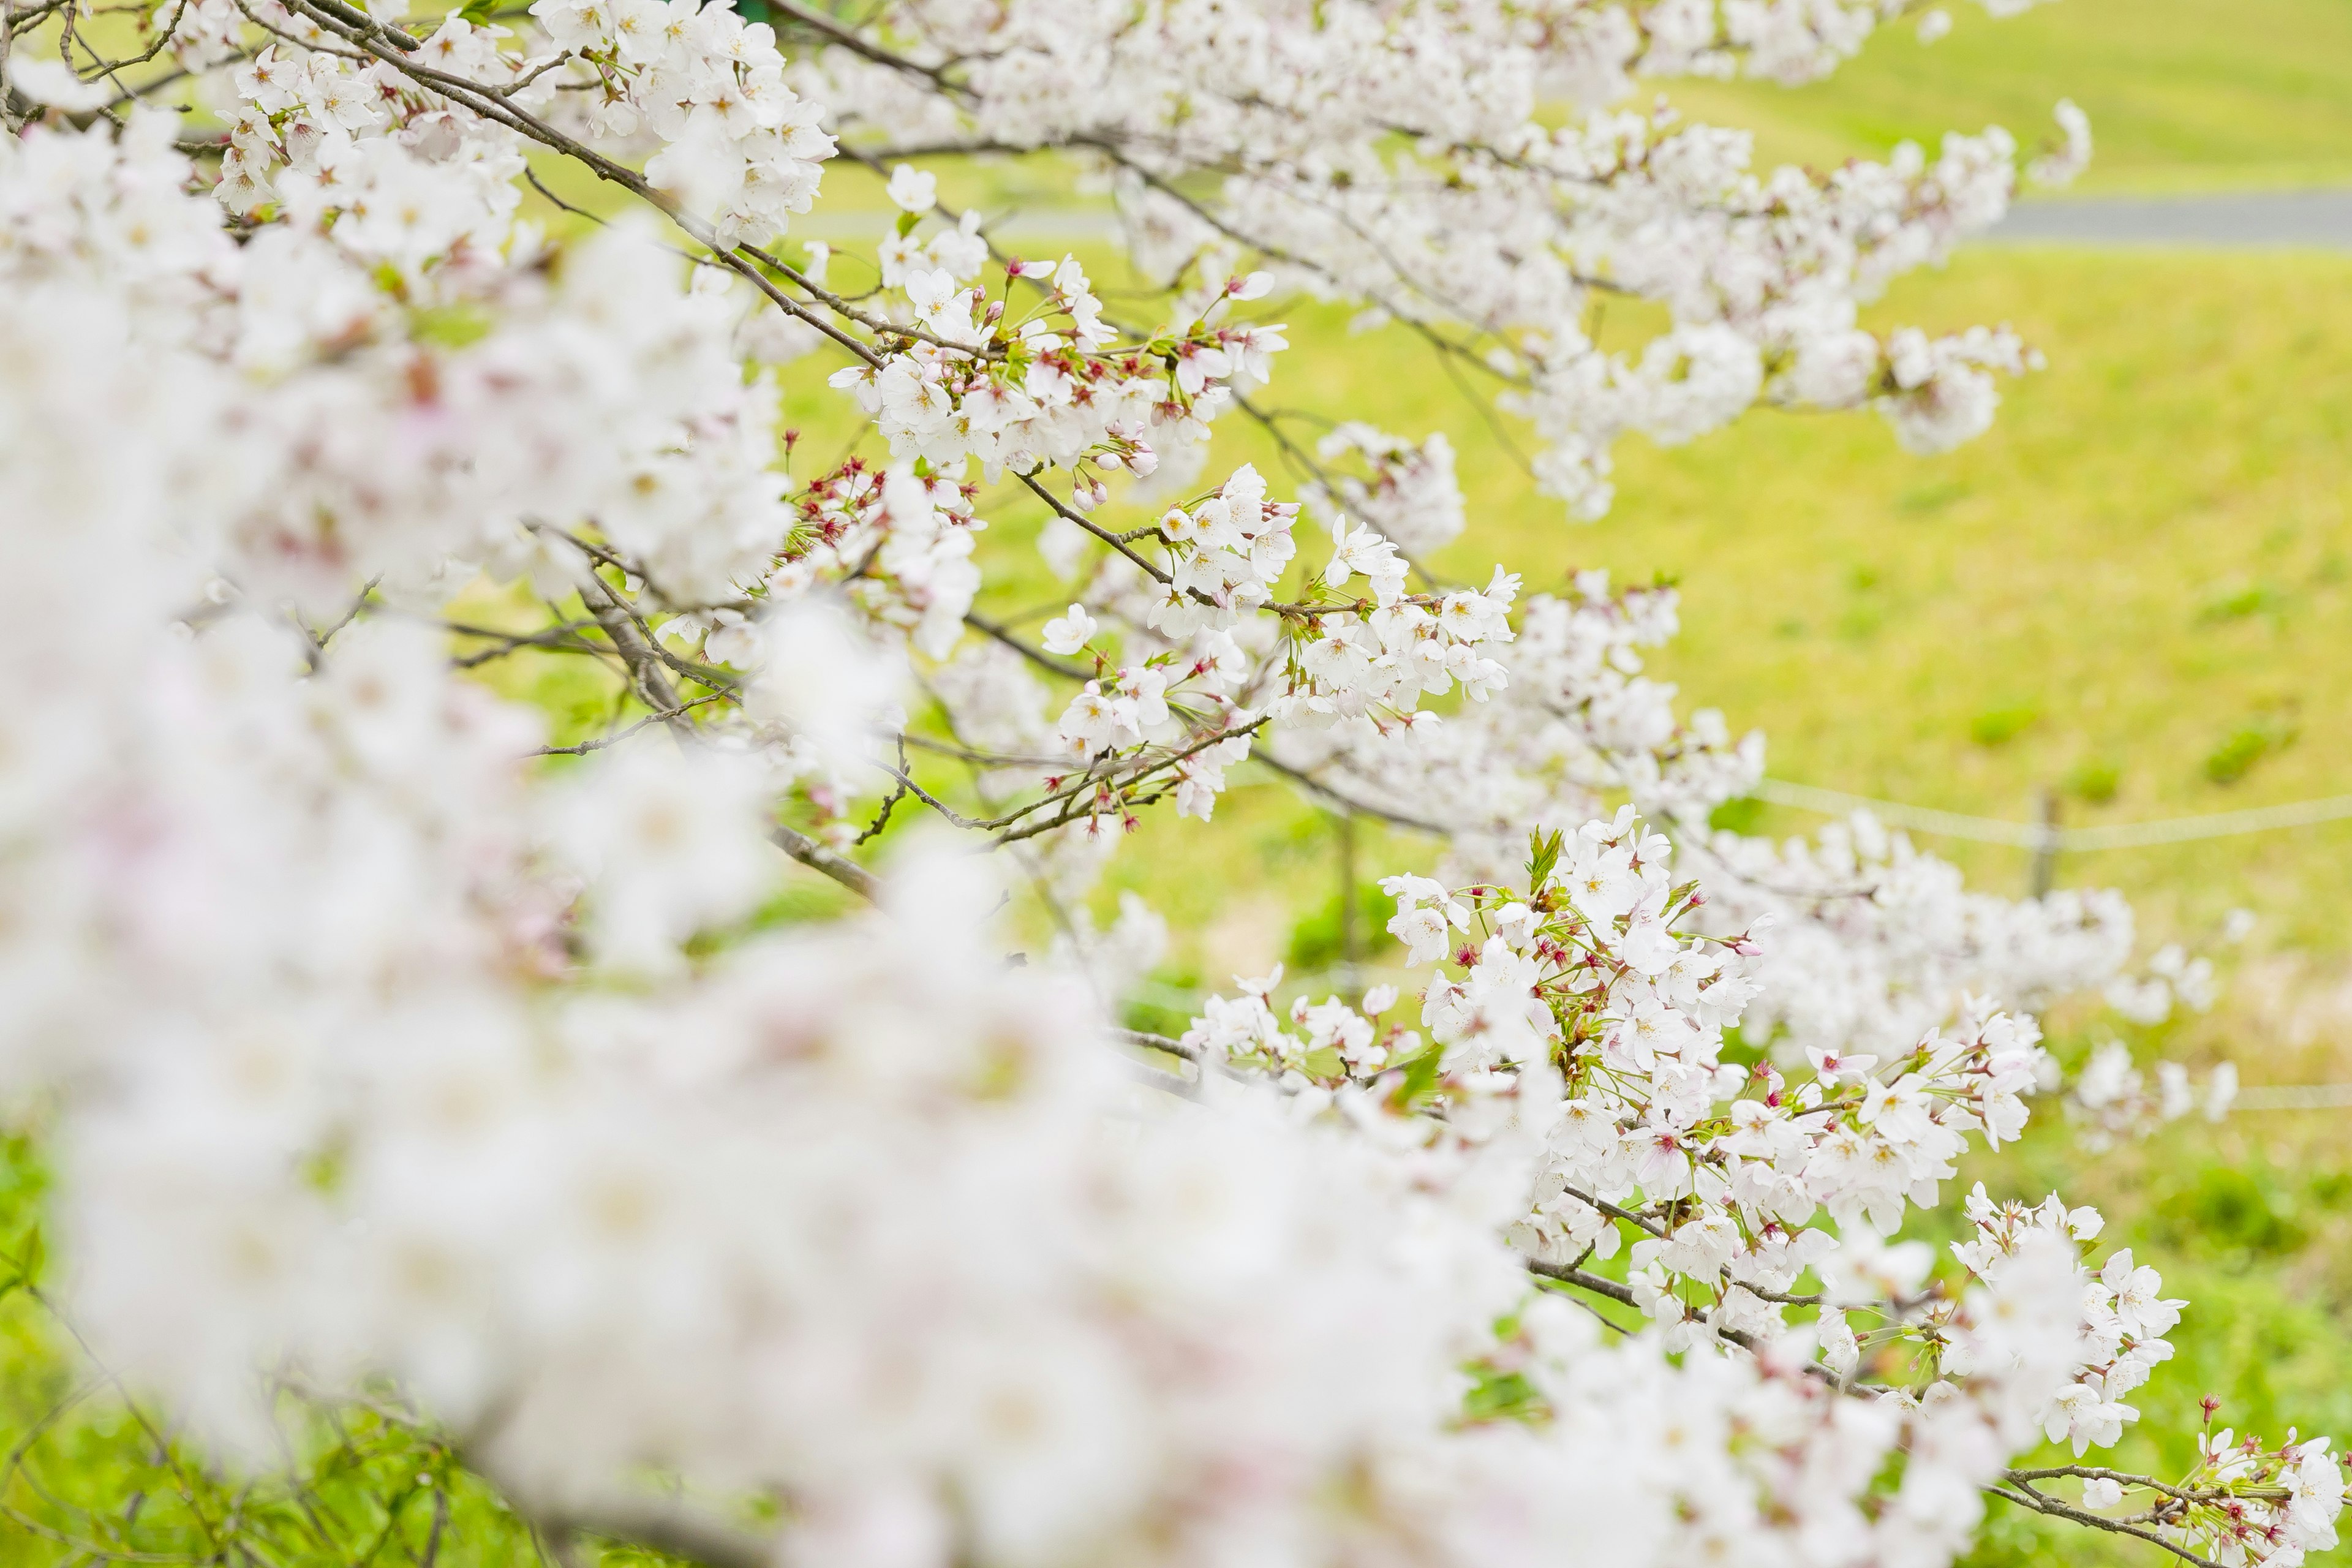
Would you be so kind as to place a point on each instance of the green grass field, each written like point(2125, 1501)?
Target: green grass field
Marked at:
point(2148, 560)
point(2182, 94)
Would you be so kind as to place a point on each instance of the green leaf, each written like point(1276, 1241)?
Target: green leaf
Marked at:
point(1501, 1395)
point(1421, 1073)
point(1543, 854)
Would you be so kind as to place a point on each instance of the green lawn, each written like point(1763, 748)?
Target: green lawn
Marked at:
point(2147, 562)
point(2143, 561)
point(2182, 94)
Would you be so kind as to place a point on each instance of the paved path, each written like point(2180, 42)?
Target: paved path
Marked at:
point(2257, 218)
point(2272, 219)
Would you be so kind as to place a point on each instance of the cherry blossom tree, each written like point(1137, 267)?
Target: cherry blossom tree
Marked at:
point(390, 1055)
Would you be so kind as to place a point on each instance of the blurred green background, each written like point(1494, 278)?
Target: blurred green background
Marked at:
point(2183, 95)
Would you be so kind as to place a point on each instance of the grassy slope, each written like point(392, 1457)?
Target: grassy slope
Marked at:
point(2181, 93)
point(2149, 553)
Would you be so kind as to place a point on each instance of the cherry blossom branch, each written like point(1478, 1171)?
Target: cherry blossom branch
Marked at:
point(2024, 1496)
point(2101, 1473)
point(1042, 659)
point(1160, 1043)
point(857, 44)
point(1411, 322)
point(648, 678)
point(562, 638)
point(1623, 1295)
point(1308, 781)
point(910, 787)
point(1567, 1274)
point(653, 684)
point(879, 325)
point(1067, 816)
point(1072, 514)
point(601, 742)
point(817, 856)
point(353, 16)
point(972, 754)
point(493, 104)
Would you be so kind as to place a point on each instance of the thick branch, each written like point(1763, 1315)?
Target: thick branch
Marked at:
point(817, 857)
point(668, 1525)
point(648, 678)
point(1152, 1042)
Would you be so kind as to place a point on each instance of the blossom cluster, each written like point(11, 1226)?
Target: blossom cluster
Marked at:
point(1873, 942)
point(380, 1056)
point(1579, 1011)
point(2240, 1503)
point(1398, 157)
point(1574, 720)
point(1051, 384)
point(600, 390)
point(1887, 937)
point(1408, 491)
point(2113, 1098)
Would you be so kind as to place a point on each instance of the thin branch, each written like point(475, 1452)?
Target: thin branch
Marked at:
point(1073, 515)
point(559, 202)
point(878, 324)
point(1314, 785)
point(2024, 1496)
point(1069, 797)
point(1623, 1295)
point(890, 803)
point(818, 22)
point(585, 747)
point(908, 787)
point(1041, 659)
point(972, 754)
point(2097, 1473)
